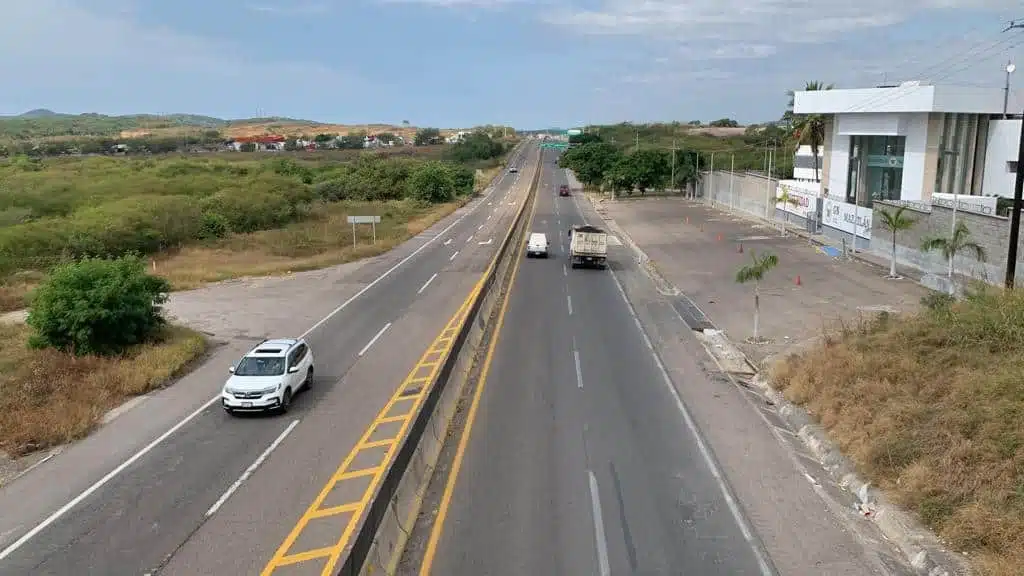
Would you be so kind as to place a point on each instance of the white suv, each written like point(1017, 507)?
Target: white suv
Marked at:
point(268, 376)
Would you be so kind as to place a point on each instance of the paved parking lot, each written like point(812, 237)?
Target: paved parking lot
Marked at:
point(698, 250)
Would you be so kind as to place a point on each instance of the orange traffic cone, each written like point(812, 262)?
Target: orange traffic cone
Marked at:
point(719, 236)
point(740, 250)
point(687, 219)
point(798, 283)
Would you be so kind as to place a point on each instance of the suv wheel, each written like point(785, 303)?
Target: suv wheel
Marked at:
point(286, 401)
point(308, 382)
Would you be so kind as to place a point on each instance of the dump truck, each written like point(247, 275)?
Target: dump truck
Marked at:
point(563, 190)
point(588, 246)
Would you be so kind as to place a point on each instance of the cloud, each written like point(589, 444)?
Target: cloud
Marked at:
point(111, 59)
point(294, 8)
point(794, 21)
point(460, 3)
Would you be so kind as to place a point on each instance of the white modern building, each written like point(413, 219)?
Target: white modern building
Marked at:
point(805, 168)
point(912, 142)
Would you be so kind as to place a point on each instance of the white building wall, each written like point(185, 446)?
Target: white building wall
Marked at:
point(1003, 139)
point(916, 130)
point(839, 166)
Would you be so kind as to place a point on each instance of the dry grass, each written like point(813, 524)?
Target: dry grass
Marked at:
point(931, 409)
point(50, 398)
point(325, 239)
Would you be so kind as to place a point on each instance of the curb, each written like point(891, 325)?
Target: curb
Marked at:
point(925, 553)
point(924, 550)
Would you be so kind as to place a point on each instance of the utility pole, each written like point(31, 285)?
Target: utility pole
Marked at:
point(1018, 197)
point(673, 183)
point(637, 139)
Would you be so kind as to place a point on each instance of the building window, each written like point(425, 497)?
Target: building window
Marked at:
point(1011, 167)
point(876, 169)
point(956, 166)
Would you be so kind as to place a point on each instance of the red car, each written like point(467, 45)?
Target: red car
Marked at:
point(563, 190)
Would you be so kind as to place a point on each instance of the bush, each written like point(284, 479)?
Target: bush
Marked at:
point(97, 306)
point(432, 182)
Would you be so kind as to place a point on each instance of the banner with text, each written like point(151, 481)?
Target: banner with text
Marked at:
point(847, 217)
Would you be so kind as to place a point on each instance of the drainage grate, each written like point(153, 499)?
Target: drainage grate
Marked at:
point(692, 315)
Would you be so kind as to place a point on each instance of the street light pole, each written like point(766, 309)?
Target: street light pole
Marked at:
point(1006, 91)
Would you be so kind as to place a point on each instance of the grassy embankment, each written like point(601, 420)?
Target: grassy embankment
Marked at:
point(199, 220)
point(931, 409)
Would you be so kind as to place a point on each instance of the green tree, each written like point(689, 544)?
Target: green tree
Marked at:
point(432, 182)
point(895, 222)
point(387, 138)
point(724, 123)
point(590, 161)
point(651, 168)
point(621, 176)
point(476, 146)
point(97, 307)
point(585, 138)
point(809, 128)
point(352, 141)
point(323, 138)
point(428, 136)
point(247, 147)
point(951, 246)
point(755, 272)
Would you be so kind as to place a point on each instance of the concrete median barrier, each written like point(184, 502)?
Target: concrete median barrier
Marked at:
point(381, 536)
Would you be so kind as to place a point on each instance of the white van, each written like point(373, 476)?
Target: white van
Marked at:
point(538, 245)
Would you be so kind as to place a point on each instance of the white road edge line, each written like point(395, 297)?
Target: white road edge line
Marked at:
point(716, 472)
point(479, 227)
point(181, 423)
point(565, 270)
point(448, 241)
point(601, 542)
point(427, 283)
point(453, 256)
point(252, 468)
point(579, 372)
point(375, 338)
point(568, 300)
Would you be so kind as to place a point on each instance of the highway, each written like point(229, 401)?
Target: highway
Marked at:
point(207, 493)
point(577, 457)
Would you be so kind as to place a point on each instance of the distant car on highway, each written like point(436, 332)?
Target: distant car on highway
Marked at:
point(269, 376)
point(537, 245)
point(513, 170)
point(563, 190)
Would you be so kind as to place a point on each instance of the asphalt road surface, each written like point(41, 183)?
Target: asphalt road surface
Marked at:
point(215, 494)
point(580, 459)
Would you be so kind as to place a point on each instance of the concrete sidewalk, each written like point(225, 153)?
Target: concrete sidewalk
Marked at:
point(698, 250)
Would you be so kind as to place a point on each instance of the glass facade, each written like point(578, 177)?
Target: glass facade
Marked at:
point(875, 169)
point(958, 148)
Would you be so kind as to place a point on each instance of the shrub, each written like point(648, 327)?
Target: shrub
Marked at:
point(97, 306)
point(432, 182)
point(464, 178)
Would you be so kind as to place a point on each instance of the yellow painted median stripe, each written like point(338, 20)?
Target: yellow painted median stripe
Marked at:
point(283, 555)
point(460, 451)
point(414, 380)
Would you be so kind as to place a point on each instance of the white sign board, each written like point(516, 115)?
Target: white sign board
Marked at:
point(364, 219)
point(801, 202)
point(847, 217)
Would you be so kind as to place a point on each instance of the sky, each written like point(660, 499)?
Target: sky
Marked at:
point(460, 63)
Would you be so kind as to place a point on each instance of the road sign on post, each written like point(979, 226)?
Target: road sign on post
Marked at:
point(371, 220)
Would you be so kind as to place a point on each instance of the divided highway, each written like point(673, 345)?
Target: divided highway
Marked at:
point(577, 457)
point(219, 494)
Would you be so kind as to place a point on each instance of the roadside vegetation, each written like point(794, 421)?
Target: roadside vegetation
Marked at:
point(92, 246)
point(208, 218)
point(930, 409)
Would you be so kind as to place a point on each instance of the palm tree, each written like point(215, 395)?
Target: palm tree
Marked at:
point(958, 242)
point(809, 128)
point(755, 271)
point(785, 198)
point(895, 222)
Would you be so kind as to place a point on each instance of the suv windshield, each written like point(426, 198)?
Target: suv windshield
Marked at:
point(250, 366)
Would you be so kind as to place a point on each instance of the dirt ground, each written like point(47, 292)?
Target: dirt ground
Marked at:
point(697, 249)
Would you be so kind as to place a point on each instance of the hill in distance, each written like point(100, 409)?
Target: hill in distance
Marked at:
point(44, 124)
